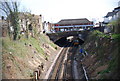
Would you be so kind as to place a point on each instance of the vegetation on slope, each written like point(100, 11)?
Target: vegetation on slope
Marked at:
point(104, 51)
point(23, 56)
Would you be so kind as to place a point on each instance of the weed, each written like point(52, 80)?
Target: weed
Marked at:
point(100, 34)
point(56, 48)
point(35, 44)
point(104, 71)
point(116, 36)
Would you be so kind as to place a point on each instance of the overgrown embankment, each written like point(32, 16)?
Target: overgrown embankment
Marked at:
point(22, 57)
point(102, 61)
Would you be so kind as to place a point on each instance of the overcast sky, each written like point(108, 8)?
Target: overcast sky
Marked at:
point(55, 10)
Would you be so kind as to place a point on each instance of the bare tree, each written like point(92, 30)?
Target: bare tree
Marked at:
point(10, 8)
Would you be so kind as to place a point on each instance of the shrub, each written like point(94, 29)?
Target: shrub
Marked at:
point(56, 48)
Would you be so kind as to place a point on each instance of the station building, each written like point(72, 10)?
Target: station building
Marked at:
point(73, 25)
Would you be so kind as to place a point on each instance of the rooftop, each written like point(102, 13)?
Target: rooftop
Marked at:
point(73, 21)
point(117, 9)
point(110, 14)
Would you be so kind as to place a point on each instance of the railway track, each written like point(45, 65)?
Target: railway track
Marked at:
point(57, 70)
point(63, 68)
point(68, 71)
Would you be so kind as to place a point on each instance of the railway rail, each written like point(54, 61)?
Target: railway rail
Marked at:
point(64, 66)
point(57, 70)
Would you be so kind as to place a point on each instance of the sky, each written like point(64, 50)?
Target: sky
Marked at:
point(55, 10)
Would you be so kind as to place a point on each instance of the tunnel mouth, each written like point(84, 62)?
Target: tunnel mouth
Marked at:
point(62, 42)
point(81, 42)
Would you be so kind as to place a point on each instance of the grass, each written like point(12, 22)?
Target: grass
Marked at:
point(44, 39)
point(15, 47)
point(36, 45)
point(104, 71)
point(18, 47)
point(0, 54)
point(21, 52)
point(112, 67)
point(103, 50)
point(100, 34)
point(116, 36)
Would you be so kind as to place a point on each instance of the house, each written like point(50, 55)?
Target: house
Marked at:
point(36, 22)
point(110, 17)
point(114, 15)
point(117, 10)
point(23, 21)
point(30, 22)
point(48, 27)
point(73, 25)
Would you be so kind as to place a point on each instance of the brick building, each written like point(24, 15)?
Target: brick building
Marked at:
point(30, 21)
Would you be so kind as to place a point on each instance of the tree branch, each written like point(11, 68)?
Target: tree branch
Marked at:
point(4, 11)
point(8, 6)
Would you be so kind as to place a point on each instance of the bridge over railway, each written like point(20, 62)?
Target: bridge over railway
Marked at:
point(80, 34)
point(58, 35)
point(72, 27)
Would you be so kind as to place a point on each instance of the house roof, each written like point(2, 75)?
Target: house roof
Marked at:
point(23, 15)
point(73, 21)
point(110, 14)
point(117, 9)
point(32, 17)
point(36, 16)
